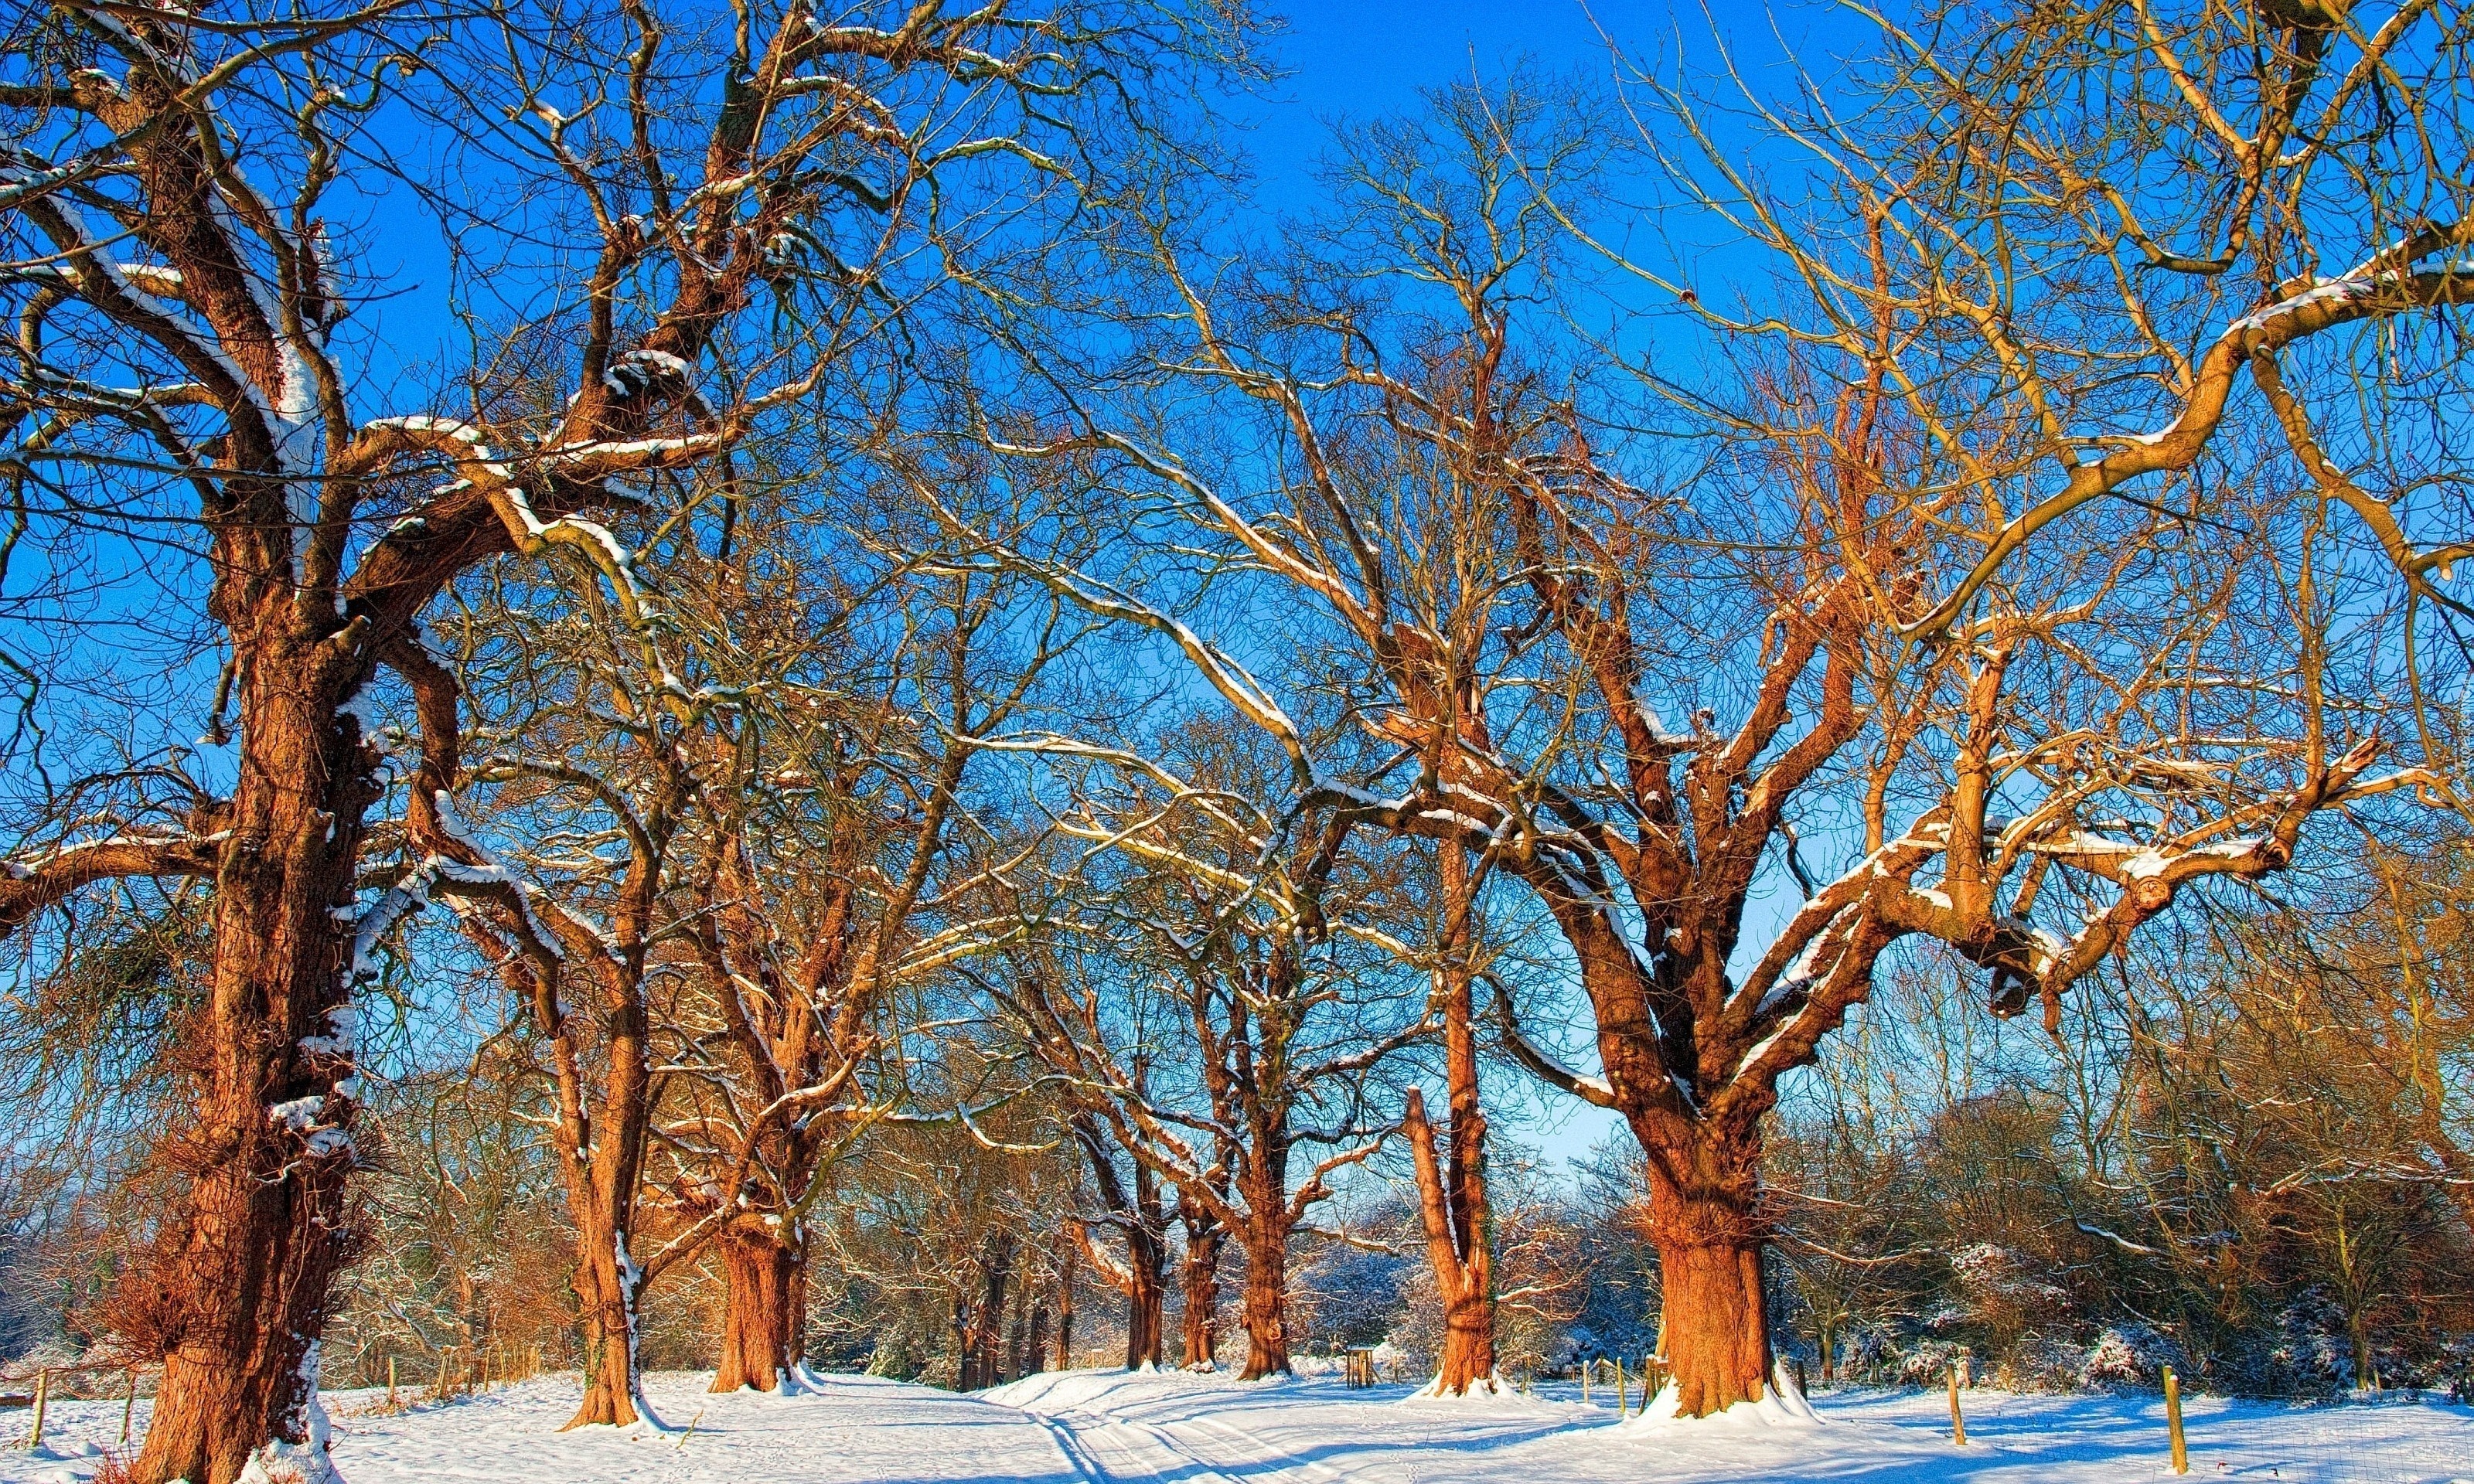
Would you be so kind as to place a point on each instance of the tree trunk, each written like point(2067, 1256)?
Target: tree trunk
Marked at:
point(996, 1281)
point(1716, 1327)
point(605, 1284)
point(1145, 1305)
point(1205, 1240)
point(1267, 1283)
point(966, 1347)
point(238, 1285)
point(762, 1289)
point(1452, 1192)
point(1068, 1261)
point(1463, 1263)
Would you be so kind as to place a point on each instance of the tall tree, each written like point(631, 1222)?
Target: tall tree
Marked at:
point(191, 403)
point(2025, 761)
point(1254, 943)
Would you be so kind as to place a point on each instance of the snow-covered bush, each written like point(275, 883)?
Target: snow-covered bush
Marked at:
point(1925, 1362)
point(2129, 1355)
point(2041, 1362)
point(1867, 1354)
point(2452, 1368)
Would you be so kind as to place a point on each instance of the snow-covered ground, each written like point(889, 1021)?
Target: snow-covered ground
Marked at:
point(1102, 1426)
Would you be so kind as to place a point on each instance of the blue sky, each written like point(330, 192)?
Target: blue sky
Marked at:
point(1363, 57)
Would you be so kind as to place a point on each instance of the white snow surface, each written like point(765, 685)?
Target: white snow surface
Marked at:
point(1104, 1427)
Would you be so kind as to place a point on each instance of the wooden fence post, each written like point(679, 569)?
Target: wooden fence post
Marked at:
point(1623, 1407)
point(391, 1404)
point(42, 1400)
point(2173, 1420)
point(1586, 1367)
point(1958, 1423)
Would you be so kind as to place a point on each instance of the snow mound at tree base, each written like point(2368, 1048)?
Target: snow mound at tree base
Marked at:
point(1494, 1394)
point(1780, 1406)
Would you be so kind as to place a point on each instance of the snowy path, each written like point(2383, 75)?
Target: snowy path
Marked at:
point(1108, 1427)
point(1125, 1429)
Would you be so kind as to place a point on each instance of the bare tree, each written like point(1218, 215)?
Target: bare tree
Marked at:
point(1133, 1206)
point(1252, 943)
point(815, 917)
point(186, 337)
point(2025, 770)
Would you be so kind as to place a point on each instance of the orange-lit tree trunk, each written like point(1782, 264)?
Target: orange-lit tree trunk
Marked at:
point(1709, 1238)
point(239, 1281)
point(604, 1157)
point(1452, 1209)
point(764, 1305)
point(1266, 1241)
point(1451, 1192)
point(1206, 1237)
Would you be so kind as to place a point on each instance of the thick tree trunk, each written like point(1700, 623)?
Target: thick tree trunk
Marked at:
point(1266, 1284)
point(1145, 1305)
point(1205, 1240)
point(763, 1289)
point(1708, 1244)
point(1139, 1215)
point(238, 1285)
point(606, 1291)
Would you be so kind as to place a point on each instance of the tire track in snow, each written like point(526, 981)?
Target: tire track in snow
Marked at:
point(1089, 1444)
point(1259, 1463)
point(1069, 1447)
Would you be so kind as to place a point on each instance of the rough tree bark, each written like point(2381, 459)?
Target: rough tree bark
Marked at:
point(1206, 1237)
point(1266, 1240)
point(764, 1306)
point(604, 1156)
point(1710, 1236)
point(242, 1278)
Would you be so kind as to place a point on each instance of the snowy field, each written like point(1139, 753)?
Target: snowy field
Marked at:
point(1100, 1427)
